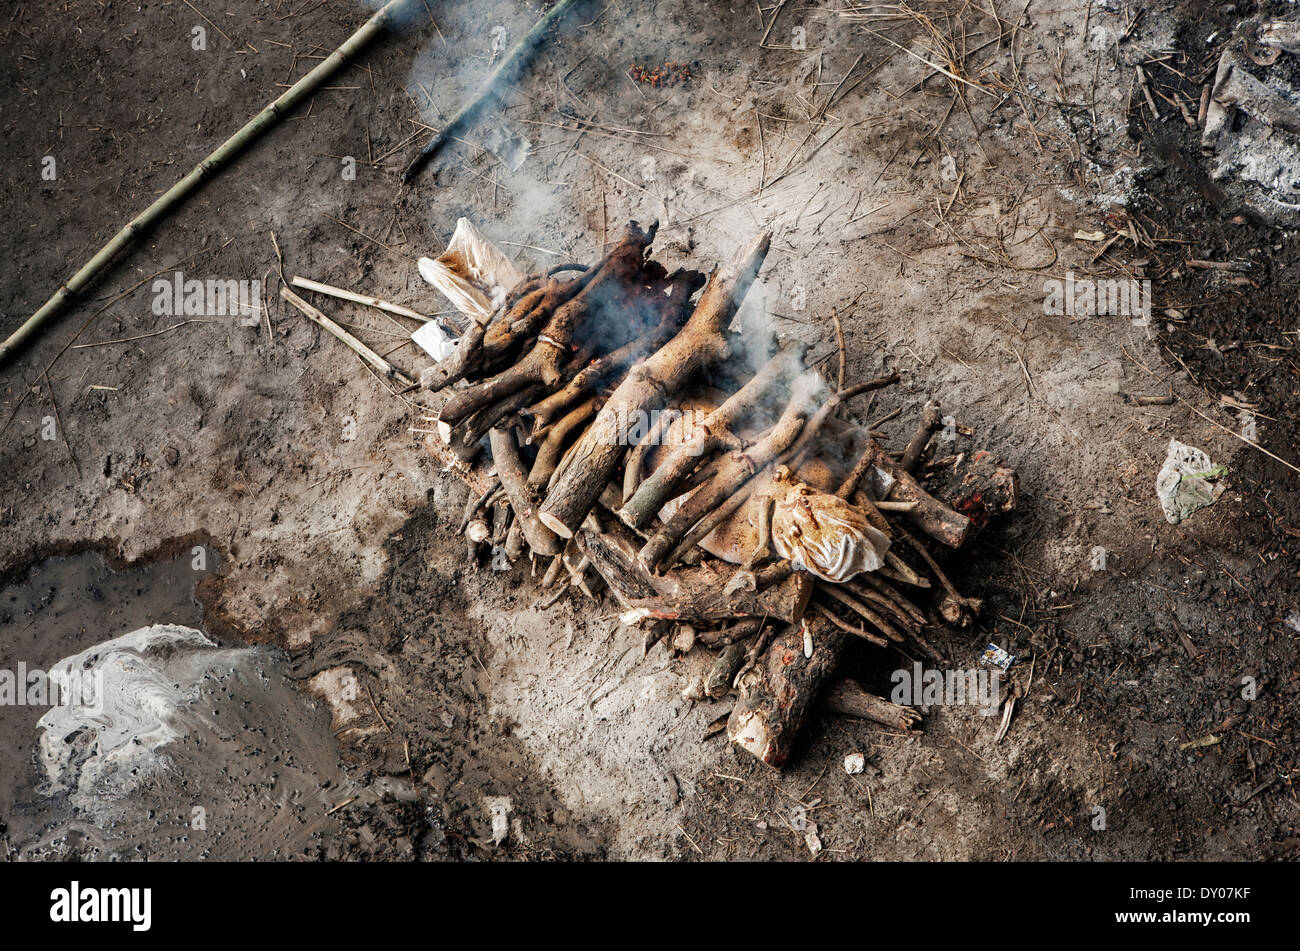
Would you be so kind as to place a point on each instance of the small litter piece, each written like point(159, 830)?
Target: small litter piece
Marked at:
point(854, 763)
point(995, 656)
point(799, 819)
point(434, 340)
point(813, 841)
point(499, 809)
point(1188, 481)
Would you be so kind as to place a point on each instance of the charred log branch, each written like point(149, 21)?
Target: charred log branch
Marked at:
point(722, 636)
point(700, 343)
point(937, 520)
point(717, 683)
point(931, 419)
point(847, 698)
point(683, 286)
point(708, 437)
point(465, 439)
point(510, 469)
point(978, 487)
point(526, 316)
point(457, 363)
point(543, 362)
point(778, 693)
point(472, 352)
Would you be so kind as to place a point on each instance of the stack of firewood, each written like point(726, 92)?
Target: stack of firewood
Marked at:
point(607, 421)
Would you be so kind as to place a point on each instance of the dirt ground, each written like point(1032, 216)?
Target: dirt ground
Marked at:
point(928, 212)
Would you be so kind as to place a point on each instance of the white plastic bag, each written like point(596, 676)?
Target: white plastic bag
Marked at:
point(473, 273)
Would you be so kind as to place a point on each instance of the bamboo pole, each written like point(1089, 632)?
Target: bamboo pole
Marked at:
point(217, 160)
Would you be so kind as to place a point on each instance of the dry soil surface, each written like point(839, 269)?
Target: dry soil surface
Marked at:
point(927, 202)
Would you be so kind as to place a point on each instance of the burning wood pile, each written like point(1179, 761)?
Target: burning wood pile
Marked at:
point(607, 421)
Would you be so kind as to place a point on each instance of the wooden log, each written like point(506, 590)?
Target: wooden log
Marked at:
point(847, 698)
point(980, 488)
point(717, 683)
point(557, 440)
point(515, 541)
point(734, 470)
point(700, 343)
point(635, 463)
point(937, 520)
point(543, 362)
point(466, 438)
point(709, 436)
point(856, 631)
point(683, 285)
point(510, 469)
point(691, 593)
point(731, 633)
point(931, 419)
point(530, 312)
point(484, 340)
point(778, 693)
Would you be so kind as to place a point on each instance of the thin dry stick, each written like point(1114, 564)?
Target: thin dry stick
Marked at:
point(376, 302)
point(361, 350)
point(507, 73)
point(1237, 435)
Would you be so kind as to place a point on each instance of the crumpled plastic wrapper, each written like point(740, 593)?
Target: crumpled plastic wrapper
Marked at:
point(1187, 481)
point(473, 273)
point(821, 533)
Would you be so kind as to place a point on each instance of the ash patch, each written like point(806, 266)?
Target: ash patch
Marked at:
point(201, 750)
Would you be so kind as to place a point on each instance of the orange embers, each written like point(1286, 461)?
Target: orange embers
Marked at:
point(669, 74)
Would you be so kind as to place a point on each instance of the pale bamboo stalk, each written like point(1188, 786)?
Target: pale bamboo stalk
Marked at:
point(217, 160)
point(361, 350)
point(376, 302)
